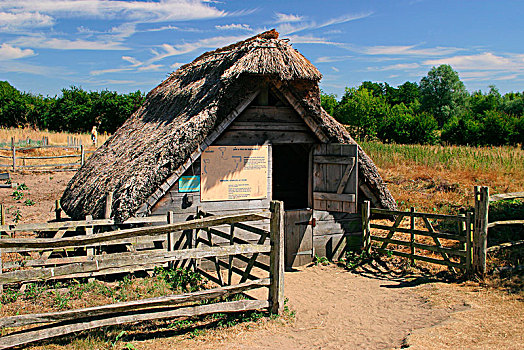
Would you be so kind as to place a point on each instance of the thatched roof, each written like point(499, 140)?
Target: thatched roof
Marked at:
point(178, 114)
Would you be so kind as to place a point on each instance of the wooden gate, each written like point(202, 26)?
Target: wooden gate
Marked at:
point(298, 238)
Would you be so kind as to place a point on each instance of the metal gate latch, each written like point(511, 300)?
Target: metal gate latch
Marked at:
point(312, 222)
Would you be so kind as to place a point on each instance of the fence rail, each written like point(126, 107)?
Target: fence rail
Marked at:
point(15, 158)
point(456, 255)
point(200, 245)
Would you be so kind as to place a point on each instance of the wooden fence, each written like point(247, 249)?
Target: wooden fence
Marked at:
point(88, 264)
point(465, 248)
point(451, 249)
point(16, 160)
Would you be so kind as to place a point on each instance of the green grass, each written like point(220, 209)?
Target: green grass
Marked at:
point(504, 159)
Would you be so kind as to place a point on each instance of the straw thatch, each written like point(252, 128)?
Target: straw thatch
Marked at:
point(178, 114)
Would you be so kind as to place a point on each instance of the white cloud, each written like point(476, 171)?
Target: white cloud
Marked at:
point(176, 65)
point(180, 49)
point(400, 66)
point(288, 28)
point(327, 59)
point(282, 17)
point(233, 26)
point(407, 50)
point(335, 69)
point(8, 52)
point(311, 39)
point(483, 61)
point(16, 21)
point(41, 41)
point(140, 11)
point(151, 67)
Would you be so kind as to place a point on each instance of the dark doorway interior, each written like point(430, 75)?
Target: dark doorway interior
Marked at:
point(291, 175)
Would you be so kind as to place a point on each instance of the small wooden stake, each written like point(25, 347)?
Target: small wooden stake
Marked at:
point(13, 149)
point(90, 252)
point(276, 289)
point(469, 246)
point(2, 214)
point(109, 205)
point(58, 210)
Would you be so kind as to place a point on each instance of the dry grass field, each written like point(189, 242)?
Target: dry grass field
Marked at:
point(55, 138)
point(401, 307)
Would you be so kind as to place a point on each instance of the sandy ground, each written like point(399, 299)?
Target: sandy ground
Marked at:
point(372, 308)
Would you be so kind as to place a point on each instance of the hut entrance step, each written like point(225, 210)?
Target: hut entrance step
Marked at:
point(298, 241)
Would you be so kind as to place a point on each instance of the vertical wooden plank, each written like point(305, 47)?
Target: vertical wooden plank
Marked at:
point(2, 214)
point(468, 243)
point(366, 229)
point(82, 155)
point(109, 205)
point(480, 233)
point(276, 289)
point(58, 210)
point(231, 242)
point(13, 151)
point(170, 235)
point(412, 235)
point(90, 252)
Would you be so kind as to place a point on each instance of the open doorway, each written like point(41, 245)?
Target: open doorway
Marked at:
point(291, 175)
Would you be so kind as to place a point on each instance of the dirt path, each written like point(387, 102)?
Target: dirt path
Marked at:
point(335, 309)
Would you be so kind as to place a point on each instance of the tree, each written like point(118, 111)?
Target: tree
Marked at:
point(360, 109)
point(328, 102)
point(442, 93)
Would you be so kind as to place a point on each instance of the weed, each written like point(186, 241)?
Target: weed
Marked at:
point(29, 202)
point(320, 260)
point(352, 259)
point(17, 195)
point(22, 187)
point(113, 342)
point(10, 296)
point(34, 291)
point(180, 279)
point(61, 301)
point(17, 216)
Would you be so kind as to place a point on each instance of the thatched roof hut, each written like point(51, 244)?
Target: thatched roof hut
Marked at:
point(141, 161)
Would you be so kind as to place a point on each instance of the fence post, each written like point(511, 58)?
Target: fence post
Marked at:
point(58, 210)
point(170, 236)
point(90, 252)
point(2, 214)
point(366, 230)
point(480, 229)
point(468, 243)
point(82, 155)
point(109, 205)
point(13, 149)
point(412, 235)
point(276, 288)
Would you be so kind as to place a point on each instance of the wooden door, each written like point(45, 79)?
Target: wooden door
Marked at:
point(298, 246)
point(335, 169)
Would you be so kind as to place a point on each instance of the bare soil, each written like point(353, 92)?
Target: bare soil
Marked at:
point(371, 308)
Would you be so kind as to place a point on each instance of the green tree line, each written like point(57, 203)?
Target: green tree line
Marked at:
point(76, 110)
point(437, 109)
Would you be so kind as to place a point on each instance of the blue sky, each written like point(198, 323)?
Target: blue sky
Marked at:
point(47, 45)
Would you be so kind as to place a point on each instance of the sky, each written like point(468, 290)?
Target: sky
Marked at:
point(124, 46)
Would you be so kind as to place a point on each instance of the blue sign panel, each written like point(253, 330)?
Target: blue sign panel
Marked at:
point(189, 184)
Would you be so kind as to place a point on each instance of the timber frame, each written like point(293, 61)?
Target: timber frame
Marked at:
point(277, 89)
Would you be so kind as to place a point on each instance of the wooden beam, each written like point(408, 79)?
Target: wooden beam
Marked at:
point(31, 336)
point(505, 196)
point(79, 241)
point(129, 306)
point(105, 262)
point(346, 197)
